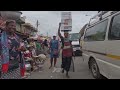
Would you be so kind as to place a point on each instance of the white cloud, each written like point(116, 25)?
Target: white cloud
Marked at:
point(49, 20)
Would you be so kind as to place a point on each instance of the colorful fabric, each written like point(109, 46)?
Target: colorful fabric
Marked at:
point(4, 52)
point(10, 54)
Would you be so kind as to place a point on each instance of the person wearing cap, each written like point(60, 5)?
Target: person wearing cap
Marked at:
point(54, 46)
point(67, 51)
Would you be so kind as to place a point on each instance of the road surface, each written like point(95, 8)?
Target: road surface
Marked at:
point(81, 71)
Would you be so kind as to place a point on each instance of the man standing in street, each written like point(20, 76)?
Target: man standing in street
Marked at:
point(67, 51)
point(45, 46)
point(54, 46)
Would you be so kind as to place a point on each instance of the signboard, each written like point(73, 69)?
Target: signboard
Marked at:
point(66, 15)
point(66, 20)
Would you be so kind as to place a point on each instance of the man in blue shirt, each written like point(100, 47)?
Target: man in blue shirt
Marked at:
point(54, 46)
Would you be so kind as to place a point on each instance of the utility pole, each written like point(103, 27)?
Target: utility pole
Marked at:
point(47, 34)
point(37, 24)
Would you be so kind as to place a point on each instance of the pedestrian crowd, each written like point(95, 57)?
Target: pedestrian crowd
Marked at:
point(19, 57)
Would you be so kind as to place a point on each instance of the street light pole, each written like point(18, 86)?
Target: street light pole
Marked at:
point(37, 24)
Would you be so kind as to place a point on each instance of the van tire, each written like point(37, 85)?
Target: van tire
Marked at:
point(94, 69)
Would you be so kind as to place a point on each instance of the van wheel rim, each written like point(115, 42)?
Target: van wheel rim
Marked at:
point(94, 69)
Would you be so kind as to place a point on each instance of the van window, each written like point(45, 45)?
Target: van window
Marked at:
point(114, 33)
point(74, 36)
point(97, 32)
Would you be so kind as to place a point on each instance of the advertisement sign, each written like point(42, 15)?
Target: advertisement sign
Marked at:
point(66, 20)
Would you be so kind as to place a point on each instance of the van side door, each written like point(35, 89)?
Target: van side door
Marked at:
point(95, 44)
point(113, 47)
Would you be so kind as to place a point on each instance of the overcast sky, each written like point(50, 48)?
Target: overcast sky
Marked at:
point(49, 20)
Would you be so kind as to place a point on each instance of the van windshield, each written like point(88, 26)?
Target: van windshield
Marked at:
point(74, 36)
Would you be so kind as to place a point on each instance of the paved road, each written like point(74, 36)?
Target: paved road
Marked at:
point(81, 71)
